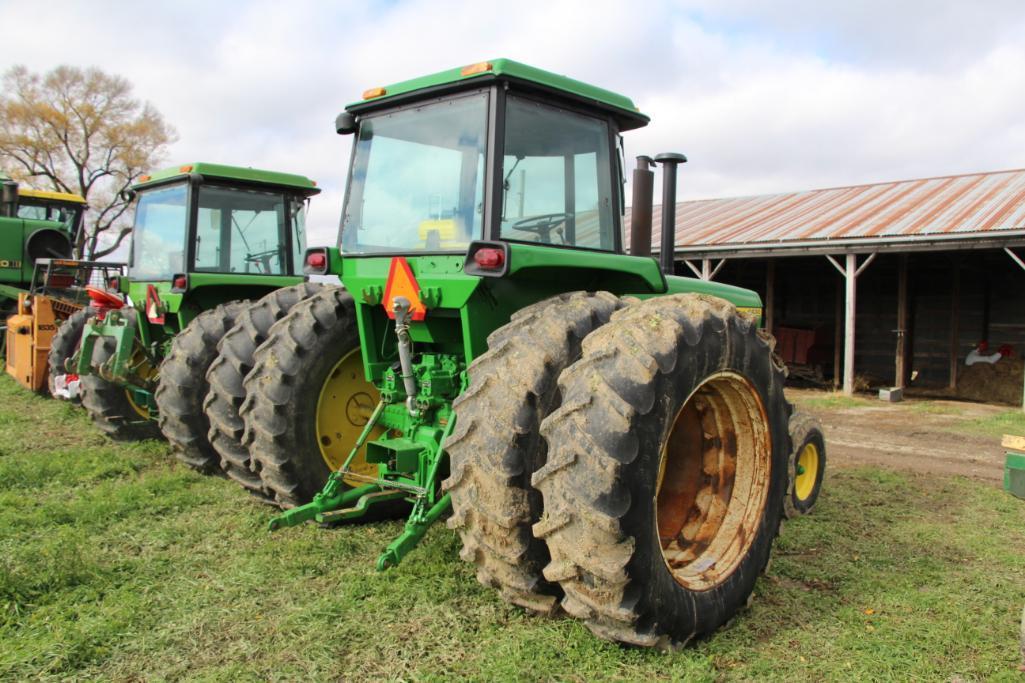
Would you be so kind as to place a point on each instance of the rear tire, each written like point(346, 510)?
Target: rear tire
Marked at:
point(670, 447)
point(63, 346)
point(183, 386)
point(228, 371)
point(109, 404)
point(290, 370)
point(807, 465)
point(496, 446)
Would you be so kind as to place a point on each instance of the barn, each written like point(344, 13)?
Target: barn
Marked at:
point(882, 285)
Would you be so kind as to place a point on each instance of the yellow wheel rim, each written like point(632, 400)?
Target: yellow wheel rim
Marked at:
point(140, 409)
point(343, 409)
point(807, 471)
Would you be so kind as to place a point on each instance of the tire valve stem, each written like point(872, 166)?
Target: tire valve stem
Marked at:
point(400, 305)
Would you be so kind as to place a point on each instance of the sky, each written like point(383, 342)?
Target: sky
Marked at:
point(762, 96)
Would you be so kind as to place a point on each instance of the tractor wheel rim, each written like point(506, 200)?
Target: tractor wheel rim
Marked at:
point(808, 471)
point(713, 482)
point(141, 410)
point(343, 409)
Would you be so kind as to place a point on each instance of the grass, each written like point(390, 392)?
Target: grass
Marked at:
point(117, 564)
point(832, 401)
point(1007, 422)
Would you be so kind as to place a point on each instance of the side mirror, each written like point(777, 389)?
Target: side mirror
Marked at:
point(127, 196)
point(345, 123)
point(8, 198)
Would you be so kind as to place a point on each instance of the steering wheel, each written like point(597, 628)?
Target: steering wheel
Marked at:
point(262, 259)
point(542, 225)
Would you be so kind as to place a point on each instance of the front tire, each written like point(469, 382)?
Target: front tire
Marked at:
point(62, 347)
point(807, 465)
point(666, 472)
point(496, 446)
point(112, 407)
point(183, 386)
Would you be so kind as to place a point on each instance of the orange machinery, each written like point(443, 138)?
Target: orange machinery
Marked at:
point(57, 292)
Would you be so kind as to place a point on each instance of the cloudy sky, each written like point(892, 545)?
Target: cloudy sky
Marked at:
point(762, 96)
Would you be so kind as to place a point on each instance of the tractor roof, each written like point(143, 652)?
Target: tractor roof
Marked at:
point(231, 173)
point(51, 196)
point(506, 69)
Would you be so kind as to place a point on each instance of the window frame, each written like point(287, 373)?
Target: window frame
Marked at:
point(193, 231)
point(615, 192)
point(490, 94)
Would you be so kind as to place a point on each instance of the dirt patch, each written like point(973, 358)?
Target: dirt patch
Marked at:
point(916, 436)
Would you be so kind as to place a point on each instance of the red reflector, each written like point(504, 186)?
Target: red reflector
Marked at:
point(317, 260)
point(489, 259)
point(180, 282)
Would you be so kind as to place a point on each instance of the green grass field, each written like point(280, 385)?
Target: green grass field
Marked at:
point(117, 564)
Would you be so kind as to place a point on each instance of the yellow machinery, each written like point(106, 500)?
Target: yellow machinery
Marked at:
point(58, 291)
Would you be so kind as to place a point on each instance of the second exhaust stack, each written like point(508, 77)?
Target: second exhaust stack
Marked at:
point(669, 161)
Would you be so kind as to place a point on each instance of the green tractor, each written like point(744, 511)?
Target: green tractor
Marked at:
point(608, 439)
point(34, 224)
point(208, 241)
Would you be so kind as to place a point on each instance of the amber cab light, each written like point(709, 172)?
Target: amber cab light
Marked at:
point(374, 92)
point(478, 68)
point(489, 259)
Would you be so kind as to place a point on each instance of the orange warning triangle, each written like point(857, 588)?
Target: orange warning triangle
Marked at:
point(402, 283)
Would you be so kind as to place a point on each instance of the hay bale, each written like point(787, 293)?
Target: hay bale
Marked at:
point(999, 382)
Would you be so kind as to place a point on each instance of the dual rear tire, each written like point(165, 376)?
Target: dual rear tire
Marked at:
point(662, 475)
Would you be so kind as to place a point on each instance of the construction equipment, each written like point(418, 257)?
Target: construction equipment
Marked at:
point(208, 240)
point(48, 321)
point(608, 437)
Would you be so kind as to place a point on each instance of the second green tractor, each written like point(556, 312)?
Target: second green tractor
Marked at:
point(607, 438)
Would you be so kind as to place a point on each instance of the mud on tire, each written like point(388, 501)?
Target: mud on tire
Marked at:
point(107, 403)
point(226, 374)
point(496, 446)
point(63, 346)
point(183, 386)
point(279, 410)
point(666, 471)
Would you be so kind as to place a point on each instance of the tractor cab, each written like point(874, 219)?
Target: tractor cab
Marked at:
point(209, 220)
point(59, 207)
point(493, 151)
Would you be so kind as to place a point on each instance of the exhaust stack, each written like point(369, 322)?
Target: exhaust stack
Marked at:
point(640, 210)
point(669, 161)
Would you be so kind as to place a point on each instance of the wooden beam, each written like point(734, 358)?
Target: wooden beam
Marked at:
point(900, 364)
point(955, 319)
point(706, 269)
point(693, 268)
point(838, 335)
point(770, 295)
point(850, 307)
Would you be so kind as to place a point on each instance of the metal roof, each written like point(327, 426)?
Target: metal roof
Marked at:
point(973, 210)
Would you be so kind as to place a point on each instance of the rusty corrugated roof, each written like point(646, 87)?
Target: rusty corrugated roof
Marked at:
point(971, 205)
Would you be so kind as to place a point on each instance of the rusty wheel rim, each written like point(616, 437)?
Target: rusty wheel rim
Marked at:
point(713, 482)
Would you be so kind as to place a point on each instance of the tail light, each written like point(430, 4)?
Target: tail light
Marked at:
point(114, 283)
point(180, 283)
point(489, 259)
point(316, 262)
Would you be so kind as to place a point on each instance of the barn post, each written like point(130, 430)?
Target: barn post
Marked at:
point(851, 294)
point(770, 294)
point(837, 334)
point(1016, 259)
point(850, 271)
point(901, 369)
point(955, 319)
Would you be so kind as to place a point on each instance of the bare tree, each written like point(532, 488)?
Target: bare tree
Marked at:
point(81, 131)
